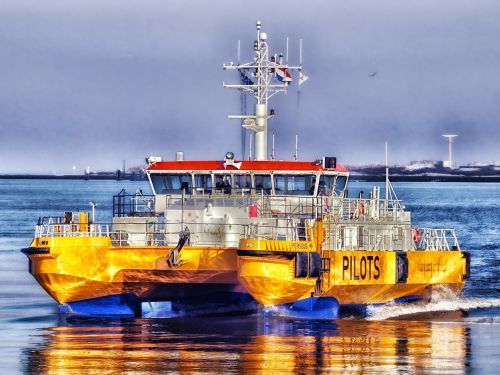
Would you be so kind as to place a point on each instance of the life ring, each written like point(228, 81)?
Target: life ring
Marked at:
point(149, 239)
point(361, 208)
point(416, 234)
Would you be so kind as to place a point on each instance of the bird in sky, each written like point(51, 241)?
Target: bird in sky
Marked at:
point(373, 74)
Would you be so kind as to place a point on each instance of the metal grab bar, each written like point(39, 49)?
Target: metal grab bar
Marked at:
point(337, 237)
point(435, 239)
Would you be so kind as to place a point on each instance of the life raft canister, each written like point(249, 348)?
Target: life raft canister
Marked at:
point(416, 234)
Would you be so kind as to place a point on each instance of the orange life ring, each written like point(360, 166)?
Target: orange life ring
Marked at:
point(361, 208)
point(149, 239)
point(416, 234)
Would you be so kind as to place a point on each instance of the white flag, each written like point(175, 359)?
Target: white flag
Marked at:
point(302, 78)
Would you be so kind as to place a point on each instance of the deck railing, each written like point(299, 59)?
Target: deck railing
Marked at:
point(358, 209)
point(271, 206)
point(137, 204)
point(435, 239)
point(338, 237)
point(358, 237)
point(154, 234)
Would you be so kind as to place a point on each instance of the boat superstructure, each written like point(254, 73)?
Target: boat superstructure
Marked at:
point(218, 235)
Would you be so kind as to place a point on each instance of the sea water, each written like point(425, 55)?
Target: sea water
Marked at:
point(448, 335)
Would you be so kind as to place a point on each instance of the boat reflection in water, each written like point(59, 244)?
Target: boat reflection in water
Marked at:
point(252, 344)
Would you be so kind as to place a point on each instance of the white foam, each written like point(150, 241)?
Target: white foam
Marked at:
point(440, 304)
point(164, 309)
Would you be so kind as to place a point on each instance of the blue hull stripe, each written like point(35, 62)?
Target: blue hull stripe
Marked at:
point(315, 308)
point(129, 305)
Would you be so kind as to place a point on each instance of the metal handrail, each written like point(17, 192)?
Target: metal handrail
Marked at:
point(435, 239)
point(161, 234)
point(359, 209)
point(137, 204)
point(345, 209)
point(338, 238)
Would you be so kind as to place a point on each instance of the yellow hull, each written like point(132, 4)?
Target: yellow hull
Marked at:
point(79, 268)
point(351, 277)
point(272, 282)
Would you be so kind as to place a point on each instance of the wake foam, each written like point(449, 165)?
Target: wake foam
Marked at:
point(437, 304)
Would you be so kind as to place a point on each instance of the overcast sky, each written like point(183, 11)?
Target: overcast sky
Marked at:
point(90, 83)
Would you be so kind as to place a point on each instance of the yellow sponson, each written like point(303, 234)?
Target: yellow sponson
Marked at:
point(365, 277)
point(352, 277)
point(271, 279)
point(277, 245)
point(276, 272)
point(77, 268)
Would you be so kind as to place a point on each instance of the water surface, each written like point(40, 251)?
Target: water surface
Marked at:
point(447, 335)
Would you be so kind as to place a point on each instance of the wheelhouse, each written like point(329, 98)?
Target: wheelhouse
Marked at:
point(277, 178)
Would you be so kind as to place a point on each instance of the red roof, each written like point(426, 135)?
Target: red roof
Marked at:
point(246, 165)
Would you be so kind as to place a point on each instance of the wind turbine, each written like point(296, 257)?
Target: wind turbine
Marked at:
point(450, 137)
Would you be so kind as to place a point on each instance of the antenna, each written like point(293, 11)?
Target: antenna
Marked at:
point(449, 162)
point(272, 151)
point(300, 52)
point(250, 148)
point(387, 183)
point(389, 190)
point(239, 51)
point(296, 156)
point(257, 79)
point(286, 61)
point(243, 103)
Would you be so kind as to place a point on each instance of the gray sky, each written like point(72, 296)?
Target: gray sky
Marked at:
point(90, 83)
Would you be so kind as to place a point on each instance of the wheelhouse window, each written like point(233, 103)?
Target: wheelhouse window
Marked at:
point(242, 181)
point(223, 183)
point(203, 183)
point(294, 184)
point(263, 183)
point(172, 183)
point(326, 184)
point(340, 184)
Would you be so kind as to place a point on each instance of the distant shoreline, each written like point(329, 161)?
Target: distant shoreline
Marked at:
point(70, 177)
point(381, 178)
point(370, 178)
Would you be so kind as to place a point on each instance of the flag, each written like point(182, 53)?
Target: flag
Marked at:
point(245, 80)
point(283, 75)
point(302, 78)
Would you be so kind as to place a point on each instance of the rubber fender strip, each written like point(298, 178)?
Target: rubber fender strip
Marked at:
point(466, 255)
point(35, 250)
point(256, 253)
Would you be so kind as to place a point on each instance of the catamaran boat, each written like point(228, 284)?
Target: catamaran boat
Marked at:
point(227, 235)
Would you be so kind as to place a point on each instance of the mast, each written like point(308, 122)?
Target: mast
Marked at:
point(256, 79)
point(386, 175)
